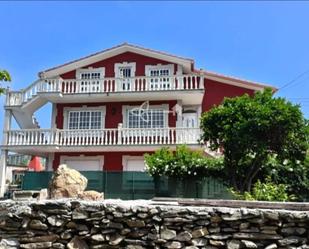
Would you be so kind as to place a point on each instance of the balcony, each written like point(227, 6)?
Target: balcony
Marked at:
point(189, 88)
point(121, 139)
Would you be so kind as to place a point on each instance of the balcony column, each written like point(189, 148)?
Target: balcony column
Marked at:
point(119, 133)
point(4, 152)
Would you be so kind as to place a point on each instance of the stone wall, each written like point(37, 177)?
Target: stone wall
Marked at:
point(146, 224)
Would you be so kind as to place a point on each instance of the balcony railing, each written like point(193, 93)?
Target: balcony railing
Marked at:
point(106, 85)
point(102, 137)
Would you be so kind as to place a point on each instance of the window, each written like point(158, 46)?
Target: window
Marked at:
point(85, 120)
point(90, 79)
point(90, 75)
point(124, 72)
point(151, 118)
point(160, 76)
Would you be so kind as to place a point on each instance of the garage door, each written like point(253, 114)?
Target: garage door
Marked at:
point(84, 165)
point(135, 164)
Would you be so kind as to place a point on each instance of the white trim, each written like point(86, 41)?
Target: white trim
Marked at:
point(125, 108)
point(83, 158)
point(53, 116)
point(125, 160)
point(170, 67)
point(125, 64)
point(100, 70)
point(66, 111)
point(80, 63)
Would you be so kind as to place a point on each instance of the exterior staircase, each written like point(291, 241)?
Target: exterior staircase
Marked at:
point(24, 103)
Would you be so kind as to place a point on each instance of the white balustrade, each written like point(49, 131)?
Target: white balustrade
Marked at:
point(103, 137)
point(106, 85)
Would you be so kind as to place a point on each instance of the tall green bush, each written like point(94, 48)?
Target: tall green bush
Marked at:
point(182, 163)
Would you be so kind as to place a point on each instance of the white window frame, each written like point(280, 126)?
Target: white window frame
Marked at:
point(100, 70)
point(124, 64)
point(90, 85)
point(170, 67)
point(67, 110)
point(83, 158)
point(157, 82)
point(164, 107)
point(126, 84)
point(125, 160)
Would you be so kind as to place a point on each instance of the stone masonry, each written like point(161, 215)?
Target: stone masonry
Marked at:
point(145, 224)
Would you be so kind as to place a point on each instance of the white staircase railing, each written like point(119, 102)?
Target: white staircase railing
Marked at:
point(106, 85)
point(102, 137)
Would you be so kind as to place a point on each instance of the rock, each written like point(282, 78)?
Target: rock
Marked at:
point(173, 245)
point(58, 246)
point(55, 221)
point(135, 223)
point(37, 225)
point(184, 236)
point(66, 183)
point(79, 214)
point(168, 234)
point(233, 244)
point(98, 237)
point(37, 245)
point(66, 235)
point(134, 247)
point(217, 242)
point(197, 233)
point(43, 238)
point(271, 246)
point(77, 243)
point(9, 243)
point(256, 236)
point(249, 244)
point(199, 242)
point(289, 241)
point(91, 195)
point(115, 225)
point(115, 239)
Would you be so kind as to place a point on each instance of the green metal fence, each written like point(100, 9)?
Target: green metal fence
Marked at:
point(130, 185)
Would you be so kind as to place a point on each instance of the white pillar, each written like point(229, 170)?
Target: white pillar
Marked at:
point(4, 152)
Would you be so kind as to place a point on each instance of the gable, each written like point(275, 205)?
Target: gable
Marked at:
point(187, 64)
point(108, 64)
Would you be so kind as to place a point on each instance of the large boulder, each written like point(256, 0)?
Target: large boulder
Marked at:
point(66, 183)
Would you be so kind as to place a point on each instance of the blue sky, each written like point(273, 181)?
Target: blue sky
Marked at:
point(261, 41)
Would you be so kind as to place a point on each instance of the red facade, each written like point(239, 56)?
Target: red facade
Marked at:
point(215, 92)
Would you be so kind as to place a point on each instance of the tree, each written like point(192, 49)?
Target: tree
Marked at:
point(4, 76)
point(252, 129)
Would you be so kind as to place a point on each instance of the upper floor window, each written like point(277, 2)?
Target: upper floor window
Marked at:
point(160, 76)
point(90, 75)
point(124, 73)
point(89, 79)
point(85, 120)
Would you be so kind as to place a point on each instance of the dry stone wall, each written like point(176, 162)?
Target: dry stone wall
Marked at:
point(145, 224)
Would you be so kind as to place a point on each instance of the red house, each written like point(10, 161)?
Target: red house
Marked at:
point(111, 107)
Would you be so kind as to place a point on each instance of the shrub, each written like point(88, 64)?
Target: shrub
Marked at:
point(267, 191)
point(182, 163)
